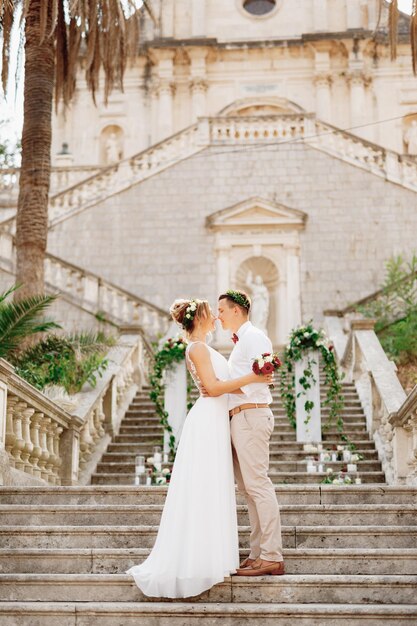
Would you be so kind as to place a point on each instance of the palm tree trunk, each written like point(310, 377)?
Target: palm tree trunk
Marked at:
point(32, 208)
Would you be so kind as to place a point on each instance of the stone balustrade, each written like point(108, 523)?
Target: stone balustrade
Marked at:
point(61, 178)
point(102, 408)
point(390, 419)
point(40, 441)
point(234, 130)
point(82, 194)
point(122, 175)
point(91, 293)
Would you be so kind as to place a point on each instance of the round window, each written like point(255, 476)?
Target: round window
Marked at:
point(259, 7)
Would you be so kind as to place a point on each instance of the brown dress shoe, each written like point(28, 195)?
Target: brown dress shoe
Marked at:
point(246, 563)
point(263, 568)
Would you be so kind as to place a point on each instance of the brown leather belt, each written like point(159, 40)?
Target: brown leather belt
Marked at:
point(243, 407)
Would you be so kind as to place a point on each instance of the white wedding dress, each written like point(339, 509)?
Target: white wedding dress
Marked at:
point(197, 541)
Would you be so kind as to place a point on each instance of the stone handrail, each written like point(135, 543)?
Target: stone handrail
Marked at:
point(404, 425)
point(364, 362)
point(115, 178)
point(102, 408)
point(62, 177)
point(38, 439)
point(387, 294)
point(220, 131)
point(92, 293)
point(41, 441)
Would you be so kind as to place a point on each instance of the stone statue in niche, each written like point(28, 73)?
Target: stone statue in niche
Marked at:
point(260, 301)
point(113, 152)
point(410, 138)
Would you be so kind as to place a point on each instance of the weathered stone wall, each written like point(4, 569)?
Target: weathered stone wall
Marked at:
point(152, 239)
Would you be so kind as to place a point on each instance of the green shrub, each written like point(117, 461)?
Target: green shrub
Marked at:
point(69, 361)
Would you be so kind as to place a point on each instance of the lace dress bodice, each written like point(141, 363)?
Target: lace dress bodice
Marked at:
point(191, 367)
point(217, 360)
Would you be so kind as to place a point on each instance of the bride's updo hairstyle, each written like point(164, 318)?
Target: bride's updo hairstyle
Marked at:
point(188, 313)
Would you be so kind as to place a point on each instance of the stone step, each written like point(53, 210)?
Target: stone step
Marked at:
point(139, 536)
point(290, 588)
point(286, 494)
point(150, 515)
point(203, 614)
point(128, 467)
point(388, 561)
point(277, 478)
point(278, 435)
point(282, 455)
point(152, 430)
point(143, 448)
point(142, 409)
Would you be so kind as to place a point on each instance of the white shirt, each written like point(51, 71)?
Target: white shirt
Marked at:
point(251, 345)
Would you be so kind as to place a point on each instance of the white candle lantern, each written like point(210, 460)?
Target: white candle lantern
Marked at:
point(352, 467)
point(139, 465)
point(347, 455)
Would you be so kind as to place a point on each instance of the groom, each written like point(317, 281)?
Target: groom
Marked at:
point(252, 423)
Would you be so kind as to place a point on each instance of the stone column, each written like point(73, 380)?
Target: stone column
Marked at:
point(165, 117)
point(320, 22)
point(293, 290)
point(198, 88)
point(358, 110)
point(354, 14)
point(163, 88)
point(167, 19)
point(198, 82)
point(223, 284)
point(198, 18)
point(323, 83)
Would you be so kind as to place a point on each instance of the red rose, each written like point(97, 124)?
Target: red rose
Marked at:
point(256, 368)
point(268, 368)
point(266, 354)
point(277, 362)
point(330, 348)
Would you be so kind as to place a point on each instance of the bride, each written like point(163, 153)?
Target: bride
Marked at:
point(197, 541)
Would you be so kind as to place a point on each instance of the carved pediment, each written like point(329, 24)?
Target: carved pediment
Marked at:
point(257, 213)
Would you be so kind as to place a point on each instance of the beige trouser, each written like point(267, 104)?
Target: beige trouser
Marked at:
point(251, 431)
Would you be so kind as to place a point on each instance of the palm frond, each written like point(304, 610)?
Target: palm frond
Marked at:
point(19, 320)
point(7, 293)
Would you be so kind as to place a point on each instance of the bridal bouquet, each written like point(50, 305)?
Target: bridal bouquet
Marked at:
point(267, 363)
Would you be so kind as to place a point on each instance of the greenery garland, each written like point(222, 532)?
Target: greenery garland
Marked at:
point(173, 351)
point(304, 340)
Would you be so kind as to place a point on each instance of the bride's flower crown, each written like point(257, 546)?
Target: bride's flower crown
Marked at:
point(190, 312)
point(239, 298)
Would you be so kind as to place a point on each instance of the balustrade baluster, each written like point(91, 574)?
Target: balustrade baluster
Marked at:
point(19, 443)
point(58, 462)
point(10, 433)
point(51, 463)
point(35, 426)
point(27, 413)
point(43, 459)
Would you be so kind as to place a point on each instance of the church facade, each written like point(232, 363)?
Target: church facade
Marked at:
point(258, 200)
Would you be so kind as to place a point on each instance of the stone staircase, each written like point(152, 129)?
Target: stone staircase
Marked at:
point(350, 554)
point(350, 551)
point(140, 431)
